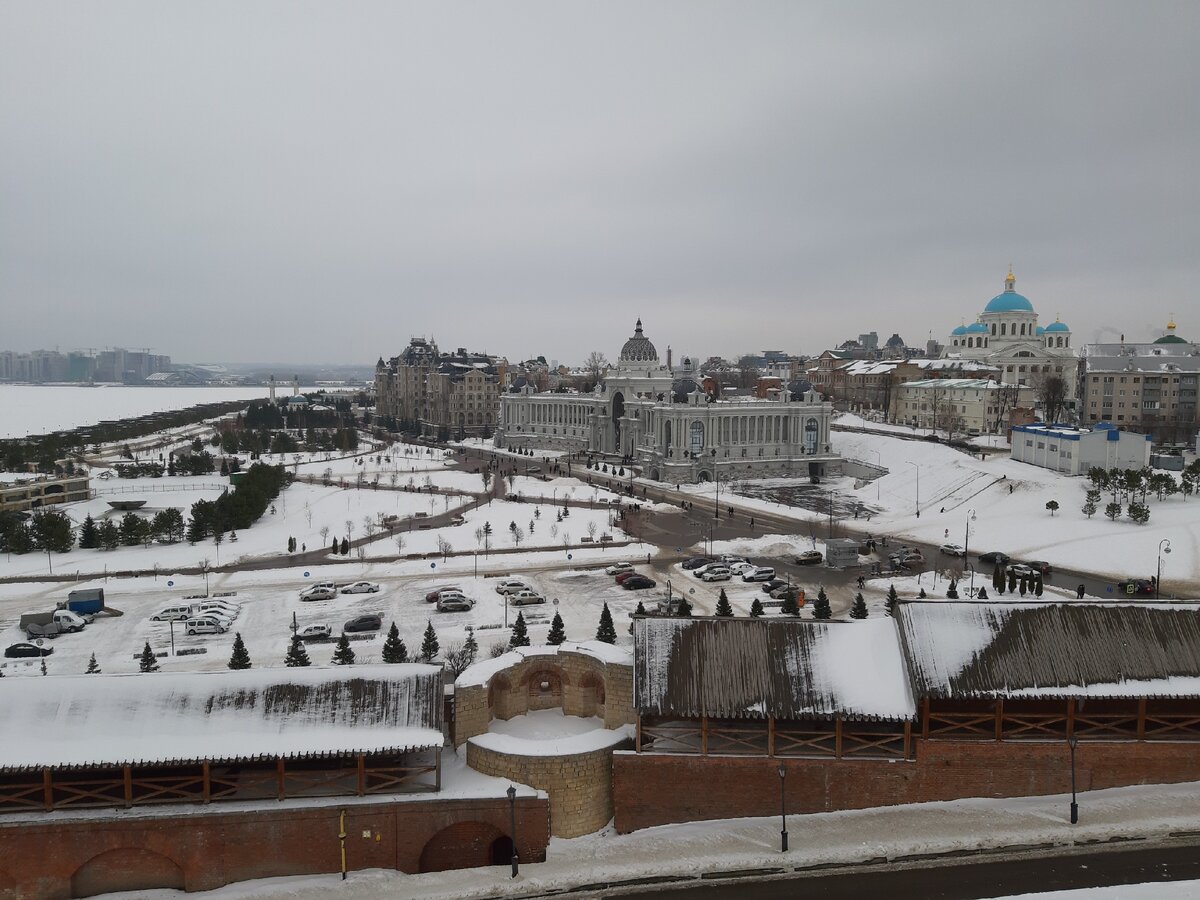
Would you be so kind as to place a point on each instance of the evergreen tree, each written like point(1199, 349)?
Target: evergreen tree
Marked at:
point(558, 632)
point(790, 607)
point(109, 536)
point(606, 632)
point(520, 633)
point(822, 609)
point(724, 609)
point(685, 608)
point(343, 653)
point(952, 590)
point(998, 579)
point(345, 547)
point(641, 610)
point(756, 608)
point(859, 609)
point(334, 548)
point(93, 667)
point(1037, 584)
point(147, 661)
point(394, 650)
point(44, 672)
point(240, 658)
point(921, 594)
point(89, 538)
point(1012, 581)
point(470, 647)
point(429, 642)
point(297, 654)
point(892, 599)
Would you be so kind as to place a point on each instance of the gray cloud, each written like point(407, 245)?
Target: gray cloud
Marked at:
point(321, 181)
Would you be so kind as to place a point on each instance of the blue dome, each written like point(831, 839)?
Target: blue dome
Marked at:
point(977, 328)
point(961, 329)
point(1057, 326)
point(1039, 330)
point(1009, 301)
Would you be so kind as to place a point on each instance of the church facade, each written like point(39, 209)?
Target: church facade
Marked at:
point(670, 428)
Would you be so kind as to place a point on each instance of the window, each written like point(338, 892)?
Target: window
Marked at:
point(811, 433)
point(696, 437)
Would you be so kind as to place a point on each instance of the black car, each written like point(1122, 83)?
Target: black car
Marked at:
point(769, 586)
point(637, 583)
point(20, 651)
point(1039, 565)
point(995, 557)
point(697, 561)
point(1136, 587)
point(364, 623)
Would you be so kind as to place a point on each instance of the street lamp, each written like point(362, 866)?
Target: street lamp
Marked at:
point(967, 549)
point(918, 501)
point(783, 843)
point(1158, 577)
point(878, 464)
point(512, 813)
point(1073, 742)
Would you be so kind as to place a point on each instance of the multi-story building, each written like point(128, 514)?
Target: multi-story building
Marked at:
point(1007, 335)
point(672, 428)
point(110, 365)
point(1150, 388)
point(864, 384)
point(22, 492)
point(965, 405)
point(444, 394)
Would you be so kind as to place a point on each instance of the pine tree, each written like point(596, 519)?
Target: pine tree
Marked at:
point(471, 647)
point(640, 610)
point(859, 609)
point(89, 538)
point(756, 608)
point(558, 632)
point(109, 535)
point(147, 661)
point(606, 632)
point(343, 653)
point(685, 608)
point(93, 667)
point(520, 633)
point(240, 658)
point(892, 599)
point(44, 672)
point(345, 547)
point(998, 579)
point(334, 548)
point(394, 650)
point(921, 594)
point(1038, 584)
point(297, 654)
point(724, 610)
point(822, 609)
point(789, 607)
point(429, 643)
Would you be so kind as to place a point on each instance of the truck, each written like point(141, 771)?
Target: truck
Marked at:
point(51, 624)
point(87, 603)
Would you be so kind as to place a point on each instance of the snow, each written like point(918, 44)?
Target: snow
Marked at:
point(548, 732)
point(860, 664)
point(481, 672)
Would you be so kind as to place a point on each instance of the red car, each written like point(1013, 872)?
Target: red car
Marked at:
point(625, 576)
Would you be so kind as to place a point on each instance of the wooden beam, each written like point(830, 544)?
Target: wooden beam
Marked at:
point(837, 737)
point(1141, 719)
point(127, 777)
point(279, 778)
point(907, 739)
point(925, 719)
point(362, 774)
point(770, 735)
point(704, 735)
point(999, 720)
point(206, 780)
point(437, 776)
point(1071, 717)
point(47, 790)
point(638, 745)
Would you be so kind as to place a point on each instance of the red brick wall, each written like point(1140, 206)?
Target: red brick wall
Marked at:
point(209, 849)
point(650, 789)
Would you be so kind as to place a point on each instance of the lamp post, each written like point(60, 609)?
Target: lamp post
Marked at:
point(879, 464)
point(967, 549)
point(1073, 742)
point(717, 479)
point(831, 512)
point(512, 813)
point(783, 843)
point(1158, 577)
point(918, 500)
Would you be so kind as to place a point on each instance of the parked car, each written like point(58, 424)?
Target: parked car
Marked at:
point(205, 625)
point(637, 583)
point(912, 553)
point(696, 562)
point(782, 593)
point(1021, 570)
point(314, 633)
point(716, 573)
point(769, 586)
point(178, 613)
point(454, 601)
point(741, 568)
point(953, 549)
point(318, 592)
point(25, 649)
point(761, 573)
point(526, 598)
point(458, 520)
point(512, 585)
point(700, 570)
point(728, 559)
point(1039, 565)
point(432, 596)
point(809, 558)
point(370, 622)
point(995, 556)
point(620, 579)
point(229, 610)
point(1136, 587)
point(618, 568)
point(361, 587)
point(225, 620)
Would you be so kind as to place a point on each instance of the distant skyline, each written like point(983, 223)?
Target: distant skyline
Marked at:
point(225, 181)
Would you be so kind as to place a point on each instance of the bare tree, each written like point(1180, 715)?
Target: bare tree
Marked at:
point(324, 534)
point(444, 547)
point(518, 535)
point(591, 529)
point(595, 367)
point(457, 658)
point(1005, 398)
point(747, 371)
point(1052, 392)
point(399, 543)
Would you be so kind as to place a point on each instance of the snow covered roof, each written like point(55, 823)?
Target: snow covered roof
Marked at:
point(481, 672)
point(1064, 649)
point(187, 717)
point(755, 668)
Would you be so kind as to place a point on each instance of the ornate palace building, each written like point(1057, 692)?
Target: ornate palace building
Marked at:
point(444, 394)
point(671, 427)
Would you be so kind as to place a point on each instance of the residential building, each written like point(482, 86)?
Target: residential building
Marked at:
point(1076, 451)
point(1147, 387)
point(964, 405)
point(864, 384)
point(443, 394)
point(21, 492)
point(675, 429)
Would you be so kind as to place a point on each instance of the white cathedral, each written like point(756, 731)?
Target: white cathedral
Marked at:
point(671, 428)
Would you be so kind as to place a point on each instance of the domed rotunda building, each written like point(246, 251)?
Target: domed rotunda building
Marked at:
point(670, 428)
point(1007, 335)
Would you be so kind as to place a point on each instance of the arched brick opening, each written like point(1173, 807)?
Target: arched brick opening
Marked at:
point(544, 687)
point(126, 869)
point(591, 695)
point(463, 845)
point(500, 700)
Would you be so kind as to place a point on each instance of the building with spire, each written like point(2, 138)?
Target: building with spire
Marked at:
point(670, 427)
point(439, 395)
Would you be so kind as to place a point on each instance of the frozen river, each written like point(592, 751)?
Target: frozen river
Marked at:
point(27, 409)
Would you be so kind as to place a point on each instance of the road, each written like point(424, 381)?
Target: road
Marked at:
point(941, 880)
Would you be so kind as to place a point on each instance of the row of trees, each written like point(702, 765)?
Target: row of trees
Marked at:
point(240, 507)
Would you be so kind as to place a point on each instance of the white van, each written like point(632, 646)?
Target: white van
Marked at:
point(179, 613)
point(205, 625)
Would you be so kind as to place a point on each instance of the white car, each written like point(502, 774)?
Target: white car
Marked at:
point(314, 633)
point(173, 614)
point(618, 568)
point(216, 606)
point(525, 598)
point(360, 587)
point(953, 549)
point(318, 592)
point(512, 585)
point(454, 601)
point(716, 573)
point(741, 568)
point(205, 625)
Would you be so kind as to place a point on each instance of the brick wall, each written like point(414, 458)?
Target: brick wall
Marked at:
point(651, 789)
point(579, 785)
point(200, 850)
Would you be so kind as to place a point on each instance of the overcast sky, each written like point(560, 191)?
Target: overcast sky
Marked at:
point(320, 182)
